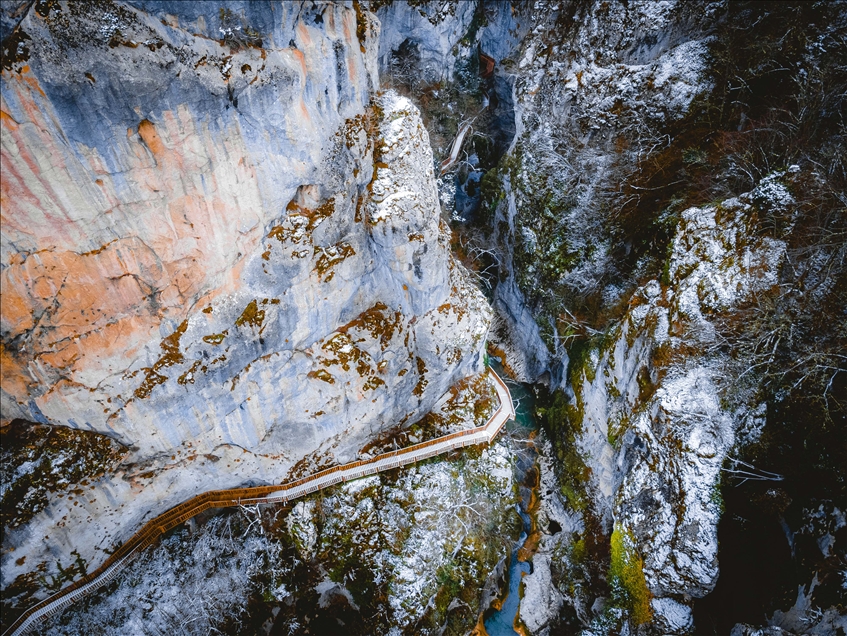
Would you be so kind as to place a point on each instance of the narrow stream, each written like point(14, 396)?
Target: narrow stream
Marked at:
point(501, 622)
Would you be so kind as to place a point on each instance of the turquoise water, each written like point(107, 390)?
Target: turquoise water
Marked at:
point(501, 622)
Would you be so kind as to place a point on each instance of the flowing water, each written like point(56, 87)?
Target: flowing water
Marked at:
point(501, 622)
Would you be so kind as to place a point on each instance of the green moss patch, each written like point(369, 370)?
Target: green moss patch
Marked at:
point(626, 577)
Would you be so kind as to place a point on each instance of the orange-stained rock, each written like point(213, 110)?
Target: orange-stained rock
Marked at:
point(147, 131)
point(13, 376)
point(158, 287)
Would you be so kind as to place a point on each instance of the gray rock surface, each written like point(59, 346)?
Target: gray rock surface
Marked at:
point(542, 599)
point(431, 32)
point(217, 253)
point(653, 430)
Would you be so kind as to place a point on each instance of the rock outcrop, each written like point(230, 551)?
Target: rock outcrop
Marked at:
point(398, 552)
point(424, 37)
point(595, 86)
point(216, 250)
point(652, 427)
point(665, 325)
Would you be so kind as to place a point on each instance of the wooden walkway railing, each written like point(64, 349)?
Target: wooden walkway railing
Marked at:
point(283, 493)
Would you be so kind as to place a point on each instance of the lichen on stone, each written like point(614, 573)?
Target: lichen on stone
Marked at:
point(171, 355)
point(329, 257)
point(216, 338)
point(252, 316)
point(422, 381)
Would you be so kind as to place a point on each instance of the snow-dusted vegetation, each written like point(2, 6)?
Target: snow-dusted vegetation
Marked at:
point(402, 550)
point(668, 234)
point(191, 583)
point(637, 207)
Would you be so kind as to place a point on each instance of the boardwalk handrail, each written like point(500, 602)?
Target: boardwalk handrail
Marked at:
point(284, 493)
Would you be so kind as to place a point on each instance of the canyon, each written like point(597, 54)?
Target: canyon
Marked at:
point(244, 242)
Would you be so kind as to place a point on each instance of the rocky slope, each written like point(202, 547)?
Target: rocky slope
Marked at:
point(648, 409)
point(397, 551)
point(659, 228)
point(216, 250)
point(221, 252)
point(594, 89)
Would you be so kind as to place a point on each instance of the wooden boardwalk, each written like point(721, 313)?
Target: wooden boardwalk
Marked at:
point(282, 493)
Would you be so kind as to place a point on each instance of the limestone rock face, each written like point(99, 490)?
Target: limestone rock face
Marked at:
point(429, 32)
point(653, 430)
point(541, 600)
point(595, 87)
point(216, 249)
point(144, 163)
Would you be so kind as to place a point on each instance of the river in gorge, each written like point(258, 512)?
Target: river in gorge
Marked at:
point(501, 622)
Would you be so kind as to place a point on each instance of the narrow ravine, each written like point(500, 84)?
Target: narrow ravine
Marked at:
point(501, 621)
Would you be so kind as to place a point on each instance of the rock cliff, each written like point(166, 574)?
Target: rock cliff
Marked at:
point(648, 409)
point(656, 224)
point(223, 248)
point(219, 248)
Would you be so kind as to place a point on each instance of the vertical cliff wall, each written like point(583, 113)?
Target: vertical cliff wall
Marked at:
point(216, 249)
point(672, 190)
point(146, 157)
point(221, 249)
